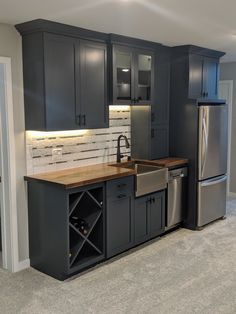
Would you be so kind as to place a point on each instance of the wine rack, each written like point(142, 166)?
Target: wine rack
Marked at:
point(86, 246)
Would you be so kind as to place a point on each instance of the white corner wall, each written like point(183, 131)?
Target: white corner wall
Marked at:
point(228, 72)
point(10, 46)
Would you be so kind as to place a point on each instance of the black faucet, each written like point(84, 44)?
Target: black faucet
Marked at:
point(118, 154)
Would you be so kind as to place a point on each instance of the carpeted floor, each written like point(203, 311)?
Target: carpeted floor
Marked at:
point(184, 272)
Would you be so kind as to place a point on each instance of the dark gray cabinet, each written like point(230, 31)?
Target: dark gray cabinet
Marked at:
point(58, 245)
point(133, 76)
point(159, 141)
point(210, 77)
point(60, 86)
point(203, 77)
point(119, 222)
point(65, 82)
point(149, 216)
point(92, 90)
point(141, 219)
point(150, 124)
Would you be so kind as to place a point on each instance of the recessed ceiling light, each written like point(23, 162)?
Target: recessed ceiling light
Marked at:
point(125, 70)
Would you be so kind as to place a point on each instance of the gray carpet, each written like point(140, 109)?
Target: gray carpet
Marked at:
point(184, 272)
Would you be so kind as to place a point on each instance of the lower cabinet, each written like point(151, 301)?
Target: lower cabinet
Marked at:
point(149, 216)
point(119, 222)
point(129, 220)
point(71, 230)
point(66, 228)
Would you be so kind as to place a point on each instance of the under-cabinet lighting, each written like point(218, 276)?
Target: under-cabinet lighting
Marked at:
point(125, 70)
point(36, 134)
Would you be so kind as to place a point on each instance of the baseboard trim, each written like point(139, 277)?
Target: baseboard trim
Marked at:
point(23, 265)
point(231, 194)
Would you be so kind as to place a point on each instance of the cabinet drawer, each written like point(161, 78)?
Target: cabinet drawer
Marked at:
point(120, 188)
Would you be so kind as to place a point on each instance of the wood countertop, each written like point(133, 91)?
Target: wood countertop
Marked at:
point(170, 162)
point(80, 176)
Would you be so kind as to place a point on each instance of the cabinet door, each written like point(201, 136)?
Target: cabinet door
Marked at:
point(141, 220)
point(144, 78)
point(159, 141)
point(123, 76)
point(157, 213)
point(59, 68)
point(210, 78)
point(92, 92)
point(195, 76)
point(160, 105)
point(119, 225)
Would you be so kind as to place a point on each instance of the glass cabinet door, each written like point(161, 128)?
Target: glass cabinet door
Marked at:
point(144, 78)
point(123, 82)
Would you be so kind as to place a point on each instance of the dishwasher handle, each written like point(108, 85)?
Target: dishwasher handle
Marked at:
point(175, 175)
point(178, 176)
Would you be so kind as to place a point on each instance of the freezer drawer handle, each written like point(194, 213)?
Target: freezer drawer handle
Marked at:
point(213, 182)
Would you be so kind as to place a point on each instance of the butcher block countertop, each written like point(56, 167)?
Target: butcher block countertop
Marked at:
point(80, 176)
point(170, 162)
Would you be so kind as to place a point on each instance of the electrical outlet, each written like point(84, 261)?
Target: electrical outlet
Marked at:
point(56, 154)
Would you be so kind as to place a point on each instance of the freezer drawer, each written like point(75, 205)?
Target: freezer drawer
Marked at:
point(211, 200)
point(212, 156)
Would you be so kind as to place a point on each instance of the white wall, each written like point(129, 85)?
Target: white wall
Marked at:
point(10, 46)
point(228, 72)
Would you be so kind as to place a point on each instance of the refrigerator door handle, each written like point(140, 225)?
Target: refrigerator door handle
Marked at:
point(205, 140)
point(213, 181)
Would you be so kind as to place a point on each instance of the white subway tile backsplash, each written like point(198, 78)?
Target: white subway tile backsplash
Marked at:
point(78, 148)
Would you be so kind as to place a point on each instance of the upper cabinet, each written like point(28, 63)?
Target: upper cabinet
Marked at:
point(133, 76)
point(195, 73)
point(203, 77)
point(65, 82)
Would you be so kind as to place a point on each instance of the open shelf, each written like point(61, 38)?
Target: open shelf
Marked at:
point(86, 255)
point(86, 226)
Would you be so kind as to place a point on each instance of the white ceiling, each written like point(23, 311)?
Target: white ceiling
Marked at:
point(208, 23)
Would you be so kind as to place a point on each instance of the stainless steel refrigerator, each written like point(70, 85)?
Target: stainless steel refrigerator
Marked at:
point(212, 162)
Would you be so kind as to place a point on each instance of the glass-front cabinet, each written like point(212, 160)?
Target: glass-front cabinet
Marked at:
point(144, 73)
point(133, 76)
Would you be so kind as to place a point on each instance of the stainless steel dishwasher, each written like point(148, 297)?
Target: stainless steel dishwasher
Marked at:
point(176, 200)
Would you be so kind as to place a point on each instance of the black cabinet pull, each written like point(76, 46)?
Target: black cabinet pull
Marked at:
point(152, 133)
point(122, 185)
point(84, 119)
point(121, 195)
point(153, 117)
point(206, 94)
point(78, 119)
point(149, 200)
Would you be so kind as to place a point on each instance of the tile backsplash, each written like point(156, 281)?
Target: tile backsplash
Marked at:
point(62, 150)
